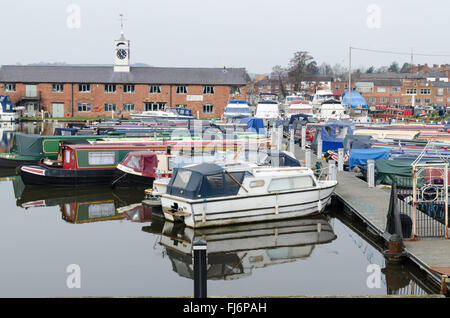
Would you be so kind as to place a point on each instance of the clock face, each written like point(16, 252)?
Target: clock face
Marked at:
point(121, 54)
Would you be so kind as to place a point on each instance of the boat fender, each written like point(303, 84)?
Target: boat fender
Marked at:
point(68, 115)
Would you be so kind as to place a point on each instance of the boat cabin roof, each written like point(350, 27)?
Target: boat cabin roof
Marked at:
point(141, 161)
point(110, 146)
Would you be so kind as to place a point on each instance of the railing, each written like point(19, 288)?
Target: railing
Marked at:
point(429, 216)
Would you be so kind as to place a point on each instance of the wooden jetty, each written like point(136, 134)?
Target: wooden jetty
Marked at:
point(371, 206)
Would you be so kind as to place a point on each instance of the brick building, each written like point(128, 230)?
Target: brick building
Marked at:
point(121, 89)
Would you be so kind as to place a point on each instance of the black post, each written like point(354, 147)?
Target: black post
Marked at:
point(199, 248)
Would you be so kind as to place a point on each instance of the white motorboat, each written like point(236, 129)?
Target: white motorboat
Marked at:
point(208, 194)
point(331, 109)
point(299, 107)
point(169, 113)
point(236, 109)
point(268, 111)
point(319, 97)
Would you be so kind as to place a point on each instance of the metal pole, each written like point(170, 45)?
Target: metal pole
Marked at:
point(340, 159)
point(349, 77)
point(200, 270)
point(308, 158)
point(291, 141)
point(319, 147)
point(303, 137)
point(332, 170)
point(414, 201)
point(371, 173)
point(446, 200)
point(280, 138)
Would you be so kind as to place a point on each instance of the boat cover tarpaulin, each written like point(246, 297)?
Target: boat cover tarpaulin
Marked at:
point(205, 180)
point(6, 104)
point(359, 157)
point(142, 161)
point(254, 124)
point(28, 144)
point(386, 170)
point(356, 100)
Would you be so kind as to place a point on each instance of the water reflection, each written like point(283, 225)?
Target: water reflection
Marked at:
point(234, 251)
point(85, 204)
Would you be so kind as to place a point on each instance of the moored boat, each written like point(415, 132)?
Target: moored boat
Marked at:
point(80, 165)
point(211, 195)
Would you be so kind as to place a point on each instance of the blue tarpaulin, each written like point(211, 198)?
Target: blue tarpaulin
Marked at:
point(359, 157)
point(7, 105)
point(254, 124)
point(333, 135)
point(356, 100)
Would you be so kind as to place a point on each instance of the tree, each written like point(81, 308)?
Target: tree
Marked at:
point(394, 67)
point(325, 69)
point(370, 70)
point(279, 74)
point(405, 68)
point(301, 64)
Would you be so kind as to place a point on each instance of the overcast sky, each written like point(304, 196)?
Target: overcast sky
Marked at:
point(255, 34)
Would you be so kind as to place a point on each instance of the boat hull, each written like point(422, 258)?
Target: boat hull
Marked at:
point(123, 179)
point(35, 175)
point(258, 208)
point(14, 163)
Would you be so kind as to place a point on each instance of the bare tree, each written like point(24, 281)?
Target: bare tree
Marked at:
point(279, 76)
point(301, 64)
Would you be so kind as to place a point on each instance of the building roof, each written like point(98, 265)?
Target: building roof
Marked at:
point(392, 75)
point(436, 74)
point(137, 75)
point(441, 84)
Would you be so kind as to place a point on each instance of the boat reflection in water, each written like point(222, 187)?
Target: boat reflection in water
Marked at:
point(234, 251)
point(84, 205)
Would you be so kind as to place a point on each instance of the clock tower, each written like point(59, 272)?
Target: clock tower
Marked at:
point(121, 53)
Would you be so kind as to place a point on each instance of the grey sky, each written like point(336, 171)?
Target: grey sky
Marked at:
point(255, 34)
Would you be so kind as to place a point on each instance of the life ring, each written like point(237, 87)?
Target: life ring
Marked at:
point(68, 115)
point(96, 109)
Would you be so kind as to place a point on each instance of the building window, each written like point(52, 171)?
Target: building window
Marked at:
point(396, 101)
point(208, 89)
point(427, 100)
point(417, 100)
point(383, 100)
point(10, 87)
point(154, 106)
point(128, 107)
point(439, 99)
point(425, 91)
point(336, 87)
point(235, 90)
point(395, 89)
point(181, 89)
point(381, 89)
point(129, 88)
point(155, 89)
point(440, 92)
point(84, 88)
point(110, 88)
point(84, 107)
point(208, 108)
point(110, 107)
point(372, 100)
point(411, 91)
point(57, 88)
point(181, 105)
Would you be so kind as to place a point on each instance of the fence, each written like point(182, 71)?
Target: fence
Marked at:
point(423, 217)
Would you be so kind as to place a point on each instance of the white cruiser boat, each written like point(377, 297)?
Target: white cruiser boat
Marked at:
point(268, 111)
point(207, 194)
point(236, 109)
point(7, 110)
point(170, 113)
point(299, 107)
point(331, 109)
point(319, 97)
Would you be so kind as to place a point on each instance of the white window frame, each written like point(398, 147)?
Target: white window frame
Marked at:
point(57, 88)
point(208, 89)
point(155, 89)
point(206, 106)
point(110, 88)
point(84, 88)
point(128, 88)
point(108, 107)
point(128, 107)
point(181, 89)
point(10, 87)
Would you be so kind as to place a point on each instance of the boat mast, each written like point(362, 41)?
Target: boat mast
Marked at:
point(349, 77)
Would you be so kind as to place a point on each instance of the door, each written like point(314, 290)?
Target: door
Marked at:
point(57, 109)
point(30, 90)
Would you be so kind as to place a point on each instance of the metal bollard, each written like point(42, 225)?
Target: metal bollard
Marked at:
point(200, 270)
point(332, 170)
point(340, 159)
point(319, 148)
point(371, 173)
point(303, 137)
point(308, 158)
point(291, 141)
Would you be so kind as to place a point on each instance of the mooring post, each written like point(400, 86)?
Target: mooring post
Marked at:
point(199, 248)
point(371, 173)
point(340, 159)
point(280, 137)
point(319, 147)
point(303, 137)
point(291, 140)
point(308, 158)
point(332, 170)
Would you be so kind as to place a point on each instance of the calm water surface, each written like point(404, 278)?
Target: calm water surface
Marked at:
point(135, 253)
